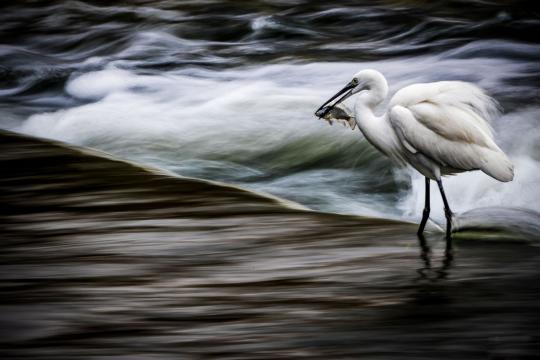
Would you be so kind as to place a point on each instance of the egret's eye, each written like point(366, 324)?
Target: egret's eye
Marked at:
point(355, 81)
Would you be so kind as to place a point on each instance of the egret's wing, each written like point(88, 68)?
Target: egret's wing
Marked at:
point(456, 110)
point(416, 137)
point(446, 148)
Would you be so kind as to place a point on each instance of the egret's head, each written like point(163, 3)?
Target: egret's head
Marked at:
point(369, 79)
point(363, 80)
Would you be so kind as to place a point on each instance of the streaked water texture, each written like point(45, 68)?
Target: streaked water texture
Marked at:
point(194, 208)
point(102, 258)
point(226, 91)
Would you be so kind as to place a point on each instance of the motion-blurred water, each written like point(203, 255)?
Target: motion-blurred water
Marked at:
point(226, 90)
point(103, 259)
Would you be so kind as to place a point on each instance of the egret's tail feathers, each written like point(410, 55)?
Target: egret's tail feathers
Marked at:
point(497, 165)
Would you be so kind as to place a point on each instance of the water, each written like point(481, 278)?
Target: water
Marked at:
point(224, 91)
point(103, 259)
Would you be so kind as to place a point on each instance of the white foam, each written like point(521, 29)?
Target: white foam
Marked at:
point(96, 85)
point(235, 115)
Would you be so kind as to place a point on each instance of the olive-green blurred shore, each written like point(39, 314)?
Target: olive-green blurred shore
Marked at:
point(105, 259)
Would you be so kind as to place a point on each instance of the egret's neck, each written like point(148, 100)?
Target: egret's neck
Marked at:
point(375, 95)
point(376, 129)
point(368, 100)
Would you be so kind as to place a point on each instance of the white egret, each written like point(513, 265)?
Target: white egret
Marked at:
point(440, 128)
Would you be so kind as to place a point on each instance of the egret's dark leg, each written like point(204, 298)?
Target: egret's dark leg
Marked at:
point(447, 213)
point(425, 214)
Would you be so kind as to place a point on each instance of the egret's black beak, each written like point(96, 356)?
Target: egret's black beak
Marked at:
point(323, 110)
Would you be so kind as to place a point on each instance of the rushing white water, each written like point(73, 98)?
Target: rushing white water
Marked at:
point(254, 125)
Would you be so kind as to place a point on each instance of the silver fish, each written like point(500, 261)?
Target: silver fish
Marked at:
point(340, 114)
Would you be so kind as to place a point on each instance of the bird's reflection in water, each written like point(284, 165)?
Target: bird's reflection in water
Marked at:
point(434, 273)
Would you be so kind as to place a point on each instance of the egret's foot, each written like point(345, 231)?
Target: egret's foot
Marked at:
point(449, 249)
point(425, 218)
point(448, 252)
point(449, 216)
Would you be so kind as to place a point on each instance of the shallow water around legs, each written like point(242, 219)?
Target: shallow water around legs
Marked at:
point(226, 91)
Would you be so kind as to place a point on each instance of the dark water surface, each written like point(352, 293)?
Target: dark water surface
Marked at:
point(104, 259)
point(226, 90)
point(107, 258)
point(101, 258)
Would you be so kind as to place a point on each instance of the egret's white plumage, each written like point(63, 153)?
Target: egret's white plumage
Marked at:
point(447, 122)
point(439, 128)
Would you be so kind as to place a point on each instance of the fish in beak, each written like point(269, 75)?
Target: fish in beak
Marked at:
point(325, 108)
point(338, 112)
point(342, 115)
